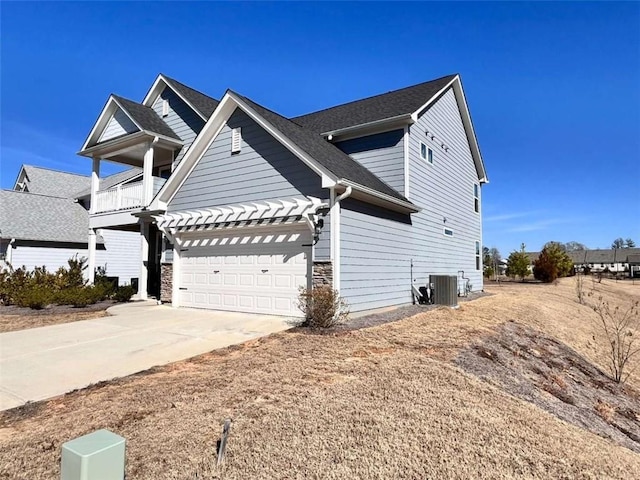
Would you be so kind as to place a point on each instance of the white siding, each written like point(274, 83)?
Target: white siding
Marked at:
point(122, 256)
point(51, 257)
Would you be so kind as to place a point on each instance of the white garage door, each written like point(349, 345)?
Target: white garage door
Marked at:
point(256, 272)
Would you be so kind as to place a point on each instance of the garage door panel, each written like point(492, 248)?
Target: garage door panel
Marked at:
point(244, 273)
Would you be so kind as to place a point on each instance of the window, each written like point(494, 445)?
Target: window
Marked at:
point(448, 232)
point(236, 140)
point(165, 108)
point(477, 255)
point(164, 172)
point(476, 198)
point(426, 153)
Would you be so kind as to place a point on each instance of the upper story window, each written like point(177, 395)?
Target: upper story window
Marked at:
point(448, 232)
point(165, 108)
point(477, 255)
point(236, 140)
point(476, 198)
point(426, 153)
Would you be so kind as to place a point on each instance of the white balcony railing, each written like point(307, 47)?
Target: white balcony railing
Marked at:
point(124, 197)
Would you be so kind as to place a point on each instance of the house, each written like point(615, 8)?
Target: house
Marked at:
point(597, 260)
point(44, 221)
point(238, 206)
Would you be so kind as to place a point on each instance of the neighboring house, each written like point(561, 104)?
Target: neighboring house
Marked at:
point(597, 260)
point(44, 222)
point(370, 197)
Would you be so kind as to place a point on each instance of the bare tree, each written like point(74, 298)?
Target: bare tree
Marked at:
point(574, 246)
point(629, 243)
point(621, 329)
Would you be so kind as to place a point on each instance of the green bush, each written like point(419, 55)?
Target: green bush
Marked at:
point(33, 296)
point(124, 293)
point(322, 307)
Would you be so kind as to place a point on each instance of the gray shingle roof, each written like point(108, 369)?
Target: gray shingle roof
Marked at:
point(146, 117)
point(27, 216)
point(387, 105)
point(325, 153)
point(112, 181)
point(634, 258)
point(45, 181)
point(203, 103)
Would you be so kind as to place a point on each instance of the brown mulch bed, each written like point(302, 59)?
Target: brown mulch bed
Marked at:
point(539, 369)
point(13, 318)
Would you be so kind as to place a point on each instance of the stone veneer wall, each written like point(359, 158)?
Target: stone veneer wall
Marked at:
point(166, 282)
point(322, 273)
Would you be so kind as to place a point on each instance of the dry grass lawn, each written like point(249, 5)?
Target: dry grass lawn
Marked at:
point(378, 403)
point(23, 321)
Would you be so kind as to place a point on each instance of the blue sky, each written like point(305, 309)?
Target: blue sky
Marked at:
point(553, 88)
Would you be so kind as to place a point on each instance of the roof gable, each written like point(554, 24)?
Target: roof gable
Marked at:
point(45, 181)
point(334, 166)
point(200, 103)
point(128, 114)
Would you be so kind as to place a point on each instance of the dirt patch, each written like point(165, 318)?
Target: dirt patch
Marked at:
point(14, 318)
point(535, 367)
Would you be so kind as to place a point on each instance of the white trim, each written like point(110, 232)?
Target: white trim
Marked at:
point(335, 238)
point(466, 121)
point(207, 136)
point(377, 126)
point(407, 164)
point(155, 91)
point(388, 199)
point(175, 275)
point(17, 182)
point(92, 246)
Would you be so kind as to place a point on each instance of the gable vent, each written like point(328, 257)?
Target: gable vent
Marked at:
point(165, 108)
point(236, 140)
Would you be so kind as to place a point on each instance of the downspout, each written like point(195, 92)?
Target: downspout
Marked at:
point(9, 253)
point(335, 235)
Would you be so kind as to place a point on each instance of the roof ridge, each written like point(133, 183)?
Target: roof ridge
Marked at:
point(187, 86)
point(55, 170)
point(36, 194)
point(377, 95)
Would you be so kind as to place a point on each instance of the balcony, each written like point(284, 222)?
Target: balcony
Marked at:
point(124, 197)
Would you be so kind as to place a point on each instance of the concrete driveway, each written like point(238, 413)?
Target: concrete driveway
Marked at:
point(41, 363)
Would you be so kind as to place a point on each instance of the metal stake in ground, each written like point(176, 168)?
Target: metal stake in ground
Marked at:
point(222, 443)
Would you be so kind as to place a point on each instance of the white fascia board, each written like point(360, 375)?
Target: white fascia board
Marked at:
point(466, 121)
point(211, 130)
point(107, 111)
point(369, 128)
point(22, 170)
point(199, 146)
point(471, 133)
point(157, 88)
point(387, 199)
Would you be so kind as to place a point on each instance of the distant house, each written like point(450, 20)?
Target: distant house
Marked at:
point(598, 260)
point(238, 206)
point(44, 221)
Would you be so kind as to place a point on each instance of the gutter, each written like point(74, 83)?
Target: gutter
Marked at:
point(374, 193)
point(385, 122)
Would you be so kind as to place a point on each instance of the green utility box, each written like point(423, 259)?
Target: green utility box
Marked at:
point(96, 456)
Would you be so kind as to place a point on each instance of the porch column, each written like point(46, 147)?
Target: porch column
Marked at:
point(95, 183)
point(92, 254)
point(147, 176)
point(144, 261)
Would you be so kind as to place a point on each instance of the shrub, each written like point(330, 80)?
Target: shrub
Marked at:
point(33, 296)
point(72, 276)
point(622, 331)
point(322, 307)
point(518, 264)
point(124, 293)
point(552, 263)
